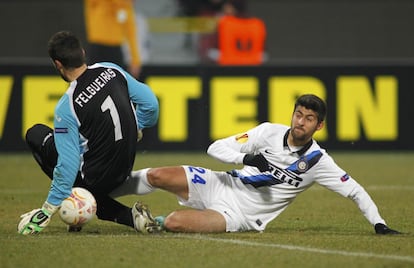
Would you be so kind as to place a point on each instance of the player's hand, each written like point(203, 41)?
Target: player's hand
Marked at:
point(384, 229)
point(36, 220)
point(256, 160)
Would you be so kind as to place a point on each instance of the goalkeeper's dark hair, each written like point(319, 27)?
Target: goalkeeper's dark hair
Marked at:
point(314, 103)
point(65, 47)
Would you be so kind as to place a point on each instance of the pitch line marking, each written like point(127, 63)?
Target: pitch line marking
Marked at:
point(317, 187)
point(313, 188)
point(300, 248)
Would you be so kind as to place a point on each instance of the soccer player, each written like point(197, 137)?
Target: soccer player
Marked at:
point(279, 161)
point(97, 124)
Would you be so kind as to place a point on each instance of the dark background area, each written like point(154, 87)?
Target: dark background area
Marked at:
point(298, 30)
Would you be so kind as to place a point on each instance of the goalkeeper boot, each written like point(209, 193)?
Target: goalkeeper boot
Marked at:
point(143, 220)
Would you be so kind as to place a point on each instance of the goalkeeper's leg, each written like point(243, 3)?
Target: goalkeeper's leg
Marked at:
point(41, 142)
point(109, 209)
point(138, 217)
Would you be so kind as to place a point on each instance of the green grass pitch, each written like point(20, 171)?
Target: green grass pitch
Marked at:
point(320, 229)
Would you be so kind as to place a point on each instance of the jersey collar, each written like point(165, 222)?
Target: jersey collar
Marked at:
point(299, 152)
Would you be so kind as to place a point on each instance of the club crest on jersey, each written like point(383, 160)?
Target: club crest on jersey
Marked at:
point(302, 165)
point(242, 138)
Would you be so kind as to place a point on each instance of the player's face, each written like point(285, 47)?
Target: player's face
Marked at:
point(304, 124)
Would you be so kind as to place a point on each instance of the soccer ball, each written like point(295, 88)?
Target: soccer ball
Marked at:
point(79, 208)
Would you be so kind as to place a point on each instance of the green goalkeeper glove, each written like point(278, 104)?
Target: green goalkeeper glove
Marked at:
point(36, 220)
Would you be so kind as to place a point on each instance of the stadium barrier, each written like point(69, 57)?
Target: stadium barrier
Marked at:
point(368, 106)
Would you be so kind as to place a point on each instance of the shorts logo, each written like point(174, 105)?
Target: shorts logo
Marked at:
point(345, 178)
point(242, 138)
point(61, 130)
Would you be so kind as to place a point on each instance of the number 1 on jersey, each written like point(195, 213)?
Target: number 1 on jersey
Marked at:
point(109, 104)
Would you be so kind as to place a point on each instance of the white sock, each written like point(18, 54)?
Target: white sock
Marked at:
point(137, 183)
point(142, 184)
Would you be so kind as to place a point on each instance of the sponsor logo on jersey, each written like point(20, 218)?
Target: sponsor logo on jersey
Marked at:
point(285, 176)
point(242, 138)
point(345, 177)
point(275, 176)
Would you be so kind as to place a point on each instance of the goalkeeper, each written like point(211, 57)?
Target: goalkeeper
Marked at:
point(97, 124)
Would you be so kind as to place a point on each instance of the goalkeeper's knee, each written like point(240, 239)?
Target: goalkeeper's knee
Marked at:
point(37, 135)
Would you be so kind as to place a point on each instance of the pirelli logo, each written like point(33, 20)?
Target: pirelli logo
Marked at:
point(285, 176)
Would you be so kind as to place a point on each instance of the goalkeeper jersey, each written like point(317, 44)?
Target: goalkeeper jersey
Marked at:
point(95, 129)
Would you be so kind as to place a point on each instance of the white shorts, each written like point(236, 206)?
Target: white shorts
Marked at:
point(213, 190)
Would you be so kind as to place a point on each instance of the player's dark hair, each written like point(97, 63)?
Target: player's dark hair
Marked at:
point(239, 5)
point(314, 103)
point(66, 48)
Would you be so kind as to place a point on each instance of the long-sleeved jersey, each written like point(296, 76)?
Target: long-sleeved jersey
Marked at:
point(292, 171)
point(96, 128)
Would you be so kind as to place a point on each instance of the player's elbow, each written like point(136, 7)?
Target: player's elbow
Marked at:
point(212, 149)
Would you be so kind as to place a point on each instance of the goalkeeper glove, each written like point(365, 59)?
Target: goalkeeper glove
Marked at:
point(256, 160)
point(384, 229)
point(36, 220)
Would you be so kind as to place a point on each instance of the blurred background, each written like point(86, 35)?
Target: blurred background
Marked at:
point(297, 30)
point(356, 54)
